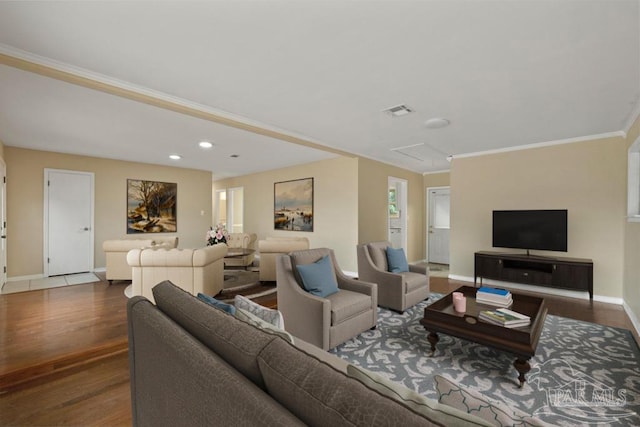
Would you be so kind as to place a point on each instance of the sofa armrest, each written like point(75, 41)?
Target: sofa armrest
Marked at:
point(355, 285)
point(209, 254)
point(422, 269)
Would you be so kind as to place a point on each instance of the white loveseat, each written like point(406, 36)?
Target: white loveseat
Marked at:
point(116, 253)
point(194, 270)
point(269, 250)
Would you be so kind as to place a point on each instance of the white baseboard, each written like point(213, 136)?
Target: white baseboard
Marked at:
point(29, 277)
point(42, 276)
point(632, 316)
point(542, 289)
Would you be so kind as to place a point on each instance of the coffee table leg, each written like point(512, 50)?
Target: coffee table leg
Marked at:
point(433, 340)
point(522, 365)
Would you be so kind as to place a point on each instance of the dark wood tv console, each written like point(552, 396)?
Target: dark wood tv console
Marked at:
point(554, 272)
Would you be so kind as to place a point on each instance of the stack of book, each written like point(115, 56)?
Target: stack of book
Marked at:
point(505, 317)
point(494, 296)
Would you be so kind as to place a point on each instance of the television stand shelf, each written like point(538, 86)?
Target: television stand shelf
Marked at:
point(554, 272)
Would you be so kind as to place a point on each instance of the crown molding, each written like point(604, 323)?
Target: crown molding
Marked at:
point(544, 144)
point(47, 67)
point(435, 172)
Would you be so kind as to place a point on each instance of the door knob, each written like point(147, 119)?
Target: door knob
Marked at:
point(86, 229)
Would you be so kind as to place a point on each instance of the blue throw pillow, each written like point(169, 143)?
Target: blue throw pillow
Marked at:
point(217, 303)
point(318, 278)
point(397, 260)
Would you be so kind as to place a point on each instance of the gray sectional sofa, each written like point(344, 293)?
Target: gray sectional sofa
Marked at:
point(192, 364)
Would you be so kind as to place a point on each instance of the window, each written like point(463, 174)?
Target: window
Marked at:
point(229, 208)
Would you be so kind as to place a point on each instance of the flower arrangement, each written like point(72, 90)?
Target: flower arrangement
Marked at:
point(217, 235)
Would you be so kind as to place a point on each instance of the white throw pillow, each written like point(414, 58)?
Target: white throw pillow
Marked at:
point(258, 322)
point(269, 315)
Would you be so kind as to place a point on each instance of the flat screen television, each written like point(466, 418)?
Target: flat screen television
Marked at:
point(531, 229)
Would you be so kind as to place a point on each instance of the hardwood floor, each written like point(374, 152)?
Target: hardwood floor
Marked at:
point(64, 356)
point(64, 359)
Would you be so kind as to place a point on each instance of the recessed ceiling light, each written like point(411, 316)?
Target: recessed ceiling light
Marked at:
point(175, 157)
point(436, 123)
point(205, 144)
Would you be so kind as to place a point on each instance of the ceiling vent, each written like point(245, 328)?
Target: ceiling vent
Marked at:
point(414, 151)
point(398, 110)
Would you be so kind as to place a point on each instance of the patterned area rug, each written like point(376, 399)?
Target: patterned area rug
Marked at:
point(582, 374)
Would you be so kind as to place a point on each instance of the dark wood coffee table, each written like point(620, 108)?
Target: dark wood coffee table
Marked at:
point(238, 252)
point(440, 317)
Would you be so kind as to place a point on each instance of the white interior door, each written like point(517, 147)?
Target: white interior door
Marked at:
point(397, 212)
point(68, 222)
point(438, 200)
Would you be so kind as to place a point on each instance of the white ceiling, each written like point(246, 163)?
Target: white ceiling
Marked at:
point(505, 73)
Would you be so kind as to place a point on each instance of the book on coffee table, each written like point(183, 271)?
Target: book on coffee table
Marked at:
point(490, 301)
point(505, 317)
point(494, 296)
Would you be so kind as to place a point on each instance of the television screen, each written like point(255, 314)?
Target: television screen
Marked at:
point(531, 229)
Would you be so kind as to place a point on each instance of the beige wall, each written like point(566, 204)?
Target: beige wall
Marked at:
point(587, 178)
point(335, 205)
point(441, 179)
point(373, 204)
point(632, 246)
point(25, 176)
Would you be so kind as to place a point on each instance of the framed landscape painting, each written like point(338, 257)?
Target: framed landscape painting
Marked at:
point(151, 206)
point(293, 205)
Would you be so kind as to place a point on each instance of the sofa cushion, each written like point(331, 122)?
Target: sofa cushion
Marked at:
point(177, 381)
point(347, 304)
point(217, 303)
point(475, 403)
point(319, 395)
point(235, 341)
point(318, 278)
point(396, 260)
point(430, 408)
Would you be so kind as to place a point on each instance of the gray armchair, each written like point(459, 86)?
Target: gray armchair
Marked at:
point(324, 322)
point(397, 291)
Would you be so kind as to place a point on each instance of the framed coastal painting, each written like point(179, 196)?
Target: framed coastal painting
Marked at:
point(293, 205)
point(151, 206)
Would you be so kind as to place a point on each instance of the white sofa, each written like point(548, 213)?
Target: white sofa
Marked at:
point(269, 250)
point(116, 253)
point(194, 270)
point(244, 241)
